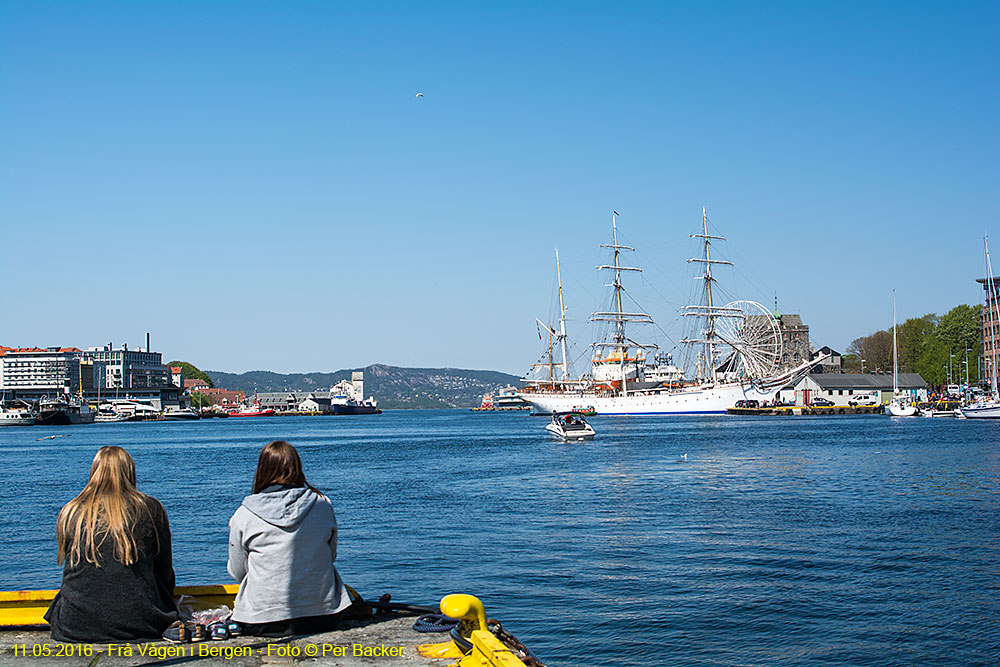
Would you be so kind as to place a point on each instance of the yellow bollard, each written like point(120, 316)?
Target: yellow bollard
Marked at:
point(466, 608)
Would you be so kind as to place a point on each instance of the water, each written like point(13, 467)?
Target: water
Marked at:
point(857, 540)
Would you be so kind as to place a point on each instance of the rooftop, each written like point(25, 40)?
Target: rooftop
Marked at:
point(866, 381)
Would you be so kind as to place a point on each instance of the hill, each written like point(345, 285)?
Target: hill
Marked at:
point(393, 387)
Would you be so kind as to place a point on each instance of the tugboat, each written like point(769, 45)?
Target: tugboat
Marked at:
point(63, 411)
point(570, 426)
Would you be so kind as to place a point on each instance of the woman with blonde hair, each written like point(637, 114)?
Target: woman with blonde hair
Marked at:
point(118, 579)
point(282, 544)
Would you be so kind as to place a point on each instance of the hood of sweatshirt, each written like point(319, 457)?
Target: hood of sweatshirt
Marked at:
point(283, 508)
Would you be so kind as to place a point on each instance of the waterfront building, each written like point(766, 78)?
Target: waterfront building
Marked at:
point(3, 351)
point(177, 376)
point(842, 389)
point(292, 401)
point(834, 362)
point(224, 396)
point(990, 329)
point(32, 372)
point(192, 385)
point(125, 369)
point(795, 347)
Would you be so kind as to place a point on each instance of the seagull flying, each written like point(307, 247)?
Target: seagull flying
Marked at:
point(419, 95)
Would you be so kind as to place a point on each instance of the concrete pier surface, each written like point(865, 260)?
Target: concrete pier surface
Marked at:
point(386, 640)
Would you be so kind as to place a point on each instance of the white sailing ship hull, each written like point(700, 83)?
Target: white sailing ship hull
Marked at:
point(895, 409)
point(981, 412)
point(692, 401)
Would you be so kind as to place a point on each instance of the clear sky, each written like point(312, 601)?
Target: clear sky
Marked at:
point(257, 184)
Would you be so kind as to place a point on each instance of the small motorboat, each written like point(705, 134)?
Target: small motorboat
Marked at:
point(181, 414)
point(570, 426)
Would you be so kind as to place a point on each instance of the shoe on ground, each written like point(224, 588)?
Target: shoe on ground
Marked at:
point(177, 633)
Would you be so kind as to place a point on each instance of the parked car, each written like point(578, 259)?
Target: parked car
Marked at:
point(863, 399)
point(748, 403)
point(821, 402)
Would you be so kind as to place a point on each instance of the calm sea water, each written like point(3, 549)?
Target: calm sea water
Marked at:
point(827, 540)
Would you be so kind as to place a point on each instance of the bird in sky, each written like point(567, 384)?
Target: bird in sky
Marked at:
point(419, 95)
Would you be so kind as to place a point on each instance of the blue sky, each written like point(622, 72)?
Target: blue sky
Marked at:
point(257, 185)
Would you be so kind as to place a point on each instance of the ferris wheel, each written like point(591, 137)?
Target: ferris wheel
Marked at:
point(751, 340)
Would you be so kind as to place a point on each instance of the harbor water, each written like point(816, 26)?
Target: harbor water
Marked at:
point(856, 540)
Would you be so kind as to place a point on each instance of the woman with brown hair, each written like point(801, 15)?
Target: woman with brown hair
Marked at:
point(282, 544)
point(118, 579)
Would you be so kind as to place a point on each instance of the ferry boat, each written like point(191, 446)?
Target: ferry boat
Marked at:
point(738, 353)
point(16, 416)
point(348, 397)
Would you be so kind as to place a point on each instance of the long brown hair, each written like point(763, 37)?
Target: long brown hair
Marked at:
point(279, 463)
point(106, 508)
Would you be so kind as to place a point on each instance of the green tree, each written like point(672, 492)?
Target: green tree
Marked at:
point(191, 372)
point(957, 331)
point(875, 352)
point(200, 401)
point(911, 336)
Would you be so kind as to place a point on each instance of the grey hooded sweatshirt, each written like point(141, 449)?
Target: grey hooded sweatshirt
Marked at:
point(282, 544)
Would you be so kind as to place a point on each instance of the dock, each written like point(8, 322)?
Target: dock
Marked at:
point(785, 410)
point(381, 633)
point(386, 639)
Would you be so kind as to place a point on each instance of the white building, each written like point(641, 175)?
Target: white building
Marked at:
point(842, 389)
point(126, 369)
point(36, 371)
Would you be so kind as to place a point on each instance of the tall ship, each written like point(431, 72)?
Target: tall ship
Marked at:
point(734, 352)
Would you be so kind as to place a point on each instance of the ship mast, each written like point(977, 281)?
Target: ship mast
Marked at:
point(562, 321)
point(991, 306)
point(555, 336)
point(895, 363)
point(707, 311)
point(618, 316)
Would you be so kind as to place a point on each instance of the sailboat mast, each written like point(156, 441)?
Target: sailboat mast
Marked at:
point(991, 304)
point(708, 311)
point(562, 321)
point(710, 329)
point(620, 335)
point(895, 363)
point(617, 313)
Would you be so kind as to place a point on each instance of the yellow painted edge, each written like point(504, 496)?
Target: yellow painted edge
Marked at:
point(488, 650)
point(29, 607)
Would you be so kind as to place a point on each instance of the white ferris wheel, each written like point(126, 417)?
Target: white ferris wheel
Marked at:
point(750, 339)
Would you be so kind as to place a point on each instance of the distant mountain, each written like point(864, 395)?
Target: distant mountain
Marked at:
point(392, 386)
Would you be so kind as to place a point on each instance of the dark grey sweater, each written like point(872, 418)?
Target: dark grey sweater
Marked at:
point(115, 602)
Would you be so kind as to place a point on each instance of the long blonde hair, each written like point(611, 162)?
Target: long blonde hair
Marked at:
point(106, 508)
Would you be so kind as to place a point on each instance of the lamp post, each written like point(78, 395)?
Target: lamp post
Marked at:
point(951, 356)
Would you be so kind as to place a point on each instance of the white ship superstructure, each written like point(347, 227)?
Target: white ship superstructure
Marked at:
point(738, 349)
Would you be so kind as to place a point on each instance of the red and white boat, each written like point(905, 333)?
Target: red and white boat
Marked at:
point(253, 411)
